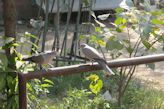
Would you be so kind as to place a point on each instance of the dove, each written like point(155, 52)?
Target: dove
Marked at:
point(42, 58)
point(93, 55)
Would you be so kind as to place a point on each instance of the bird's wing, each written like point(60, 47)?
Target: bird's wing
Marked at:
point(91, 53)
point(38, 59)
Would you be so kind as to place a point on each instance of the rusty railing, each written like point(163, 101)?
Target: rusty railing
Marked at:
point(73, 69)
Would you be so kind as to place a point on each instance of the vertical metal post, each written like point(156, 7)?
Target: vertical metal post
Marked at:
point(74, 40)
point(70, 7)
point(45, 26)
point(22, 92)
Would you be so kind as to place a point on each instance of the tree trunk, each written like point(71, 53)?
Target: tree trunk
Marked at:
point(10, 21)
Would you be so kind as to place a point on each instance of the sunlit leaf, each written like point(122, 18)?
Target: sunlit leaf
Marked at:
point(33, 44)
point(29, 87)
point(46, 85)
point(119, 9)
point(94, 77)
point(146, 44)
point(49, 81)
point(97, 29)
point(118, 21)
point(124, 21)
point(100, 83)
point(156, 13)
point(83, 37)
point(156, 21)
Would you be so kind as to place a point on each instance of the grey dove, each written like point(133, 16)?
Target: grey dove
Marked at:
point(93, 55)
point(42, 58)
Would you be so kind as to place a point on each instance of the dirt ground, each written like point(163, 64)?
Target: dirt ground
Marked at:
point(142, 72)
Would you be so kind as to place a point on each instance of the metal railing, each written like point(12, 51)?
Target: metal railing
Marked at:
point(74, 69)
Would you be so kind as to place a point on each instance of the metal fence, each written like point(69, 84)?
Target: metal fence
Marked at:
point(74, 69)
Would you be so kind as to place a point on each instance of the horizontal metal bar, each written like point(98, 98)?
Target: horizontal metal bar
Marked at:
point(88, 67)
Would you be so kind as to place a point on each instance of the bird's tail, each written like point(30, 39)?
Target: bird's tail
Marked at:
point(27, 59)
point(105, 67)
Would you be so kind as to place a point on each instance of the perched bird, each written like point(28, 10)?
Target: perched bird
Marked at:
point(42, 58)
point(93, 55)
point(37, 23)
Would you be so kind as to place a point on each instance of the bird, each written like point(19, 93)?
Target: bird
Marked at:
point(93, 55)
point(42, 58)
point(37, 23)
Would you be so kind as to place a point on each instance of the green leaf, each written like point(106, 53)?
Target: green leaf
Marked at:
point(100, 83)
point(30, 35)
point(118, 21)
point(2, 80)
point(15, 44)
point(83, 37)
point(151, 65)
point(119, 30)
point(33, 44)
point(112, 44)
point(129, 49)
point(29, 87)
point(97, 29)
point(162, 48)
point(147, 28)
point(156, 21)
point(3, 60)
point(154, 49)
point(46, 85)
point(49, 81)
point(156, 13)
point(8, 40)
point(126, 41)
point(146, 44)
point(119, 9)
point(162, 10)
point(86, 3)
point(133, 27)
point(124, 21)
point(10, 82)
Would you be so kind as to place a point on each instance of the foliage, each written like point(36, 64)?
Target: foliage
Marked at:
point(7, 82)
point(83, 99)
point(96, 84)
point(146, 25)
